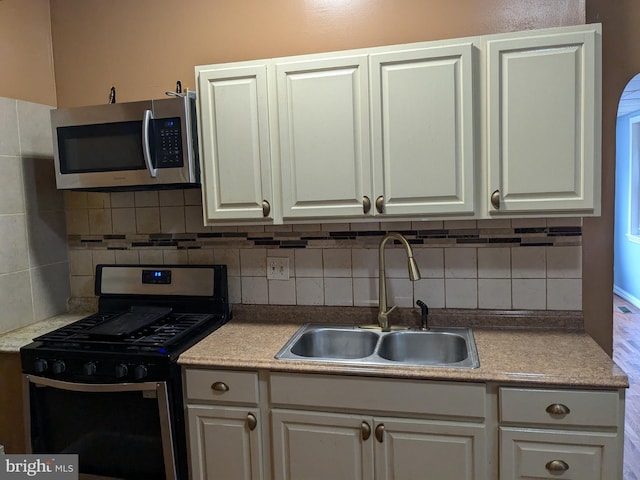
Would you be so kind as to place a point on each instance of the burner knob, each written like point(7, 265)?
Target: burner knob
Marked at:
point(121, 370)
point(58, 367)
point(89, 368)
point(140, 372)
point(40, 365)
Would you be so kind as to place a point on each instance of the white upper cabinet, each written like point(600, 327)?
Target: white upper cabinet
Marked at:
point(543, 121)
point(235, 144)
point(502, 125)
point(423, 130)
point(323, 120)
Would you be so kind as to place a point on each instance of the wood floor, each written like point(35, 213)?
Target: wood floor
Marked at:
point(626, 353)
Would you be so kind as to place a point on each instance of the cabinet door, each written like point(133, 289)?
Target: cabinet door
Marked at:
point(321, 446)
point(323, 117)
point(225, 442)
point(423, 130)
point(543, 130)
point(234, 132)
point(528, 453)
point(429, 450)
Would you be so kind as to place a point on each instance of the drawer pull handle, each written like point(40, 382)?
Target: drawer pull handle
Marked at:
point(220, 387)
point(365, 430)
point(557, 466)
point(380, 432)
point(252, 422)
point(558, 409)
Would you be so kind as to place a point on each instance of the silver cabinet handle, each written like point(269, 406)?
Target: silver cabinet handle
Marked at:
point(557, 466)
point(220, 387)
point(495, 199)
point(380, 204)
point(558, 409)
point(146, 149)
point(266, 208)
point(252, 422)
point(380, 432)
point(366, 204)
point(365, 430)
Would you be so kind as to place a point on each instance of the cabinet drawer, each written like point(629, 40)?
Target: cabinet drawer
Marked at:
point(416, 397)
point(527, 453)
point(542, 406)
point(224, 386)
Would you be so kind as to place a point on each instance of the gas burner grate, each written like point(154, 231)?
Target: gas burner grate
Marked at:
point(161, 334)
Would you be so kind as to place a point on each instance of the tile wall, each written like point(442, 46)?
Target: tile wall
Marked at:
point(34, 268)
point(489, 264)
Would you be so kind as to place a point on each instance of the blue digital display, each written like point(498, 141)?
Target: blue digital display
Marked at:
point(170, 123)
point(162, 277)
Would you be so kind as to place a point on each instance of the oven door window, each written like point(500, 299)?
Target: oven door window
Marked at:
point(115, 433)
point(101, 148)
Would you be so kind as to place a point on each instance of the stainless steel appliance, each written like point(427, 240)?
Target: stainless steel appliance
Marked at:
point(108, 387)
point(124, 146)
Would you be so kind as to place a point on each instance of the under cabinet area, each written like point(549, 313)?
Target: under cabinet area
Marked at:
point(550, 433)
point(460, 128)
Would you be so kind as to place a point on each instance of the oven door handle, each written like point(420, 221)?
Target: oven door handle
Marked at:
point(91, 387)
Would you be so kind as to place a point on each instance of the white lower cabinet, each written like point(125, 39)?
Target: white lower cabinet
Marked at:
point(319, 445)
point(224, 425)
point(225, 442)
point(292, 426)
point(326, 427)
point(560, 434)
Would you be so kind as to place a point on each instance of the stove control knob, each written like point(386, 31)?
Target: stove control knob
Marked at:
point(140, 372)
point(40, 365)
point(58, 367)
point(89, 368)
point(121, 370)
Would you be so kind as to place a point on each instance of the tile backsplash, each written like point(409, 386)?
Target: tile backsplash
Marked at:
point(525, 264)
point(34, 268)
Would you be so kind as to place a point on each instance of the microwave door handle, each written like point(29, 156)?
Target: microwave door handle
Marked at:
point(146, 148)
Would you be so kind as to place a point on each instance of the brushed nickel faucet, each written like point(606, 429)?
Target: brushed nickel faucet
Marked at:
point(414, 274)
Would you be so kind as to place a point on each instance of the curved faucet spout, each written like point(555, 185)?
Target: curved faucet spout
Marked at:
point(414, 274)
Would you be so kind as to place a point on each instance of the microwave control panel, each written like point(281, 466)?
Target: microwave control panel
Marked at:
point(168, 143)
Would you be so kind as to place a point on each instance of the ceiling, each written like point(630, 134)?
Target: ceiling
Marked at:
point(630, 99)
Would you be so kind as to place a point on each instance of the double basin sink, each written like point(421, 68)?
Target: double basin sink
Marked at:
point(436, 347)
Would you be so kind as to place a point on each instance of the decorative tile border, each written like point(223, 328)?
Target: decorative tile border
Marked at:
point(547, 236)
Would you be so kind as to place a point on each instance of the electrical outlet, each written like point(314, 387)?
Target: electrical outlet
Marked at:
point(277, 268)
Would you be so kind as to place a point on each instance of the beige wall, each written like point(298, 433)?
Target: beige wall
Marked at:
point(143, 47)
point(621, 61)
point(26, 58)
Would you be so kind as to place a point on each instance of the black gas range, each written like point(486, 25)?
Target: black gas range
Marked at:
point(110, 382)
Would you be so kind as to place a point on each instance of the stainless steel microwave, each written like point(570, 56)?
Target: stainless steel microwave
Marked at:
point(127, 146)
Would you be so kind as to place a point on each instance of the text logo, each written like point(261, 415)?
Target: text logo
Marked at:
point(51, 467)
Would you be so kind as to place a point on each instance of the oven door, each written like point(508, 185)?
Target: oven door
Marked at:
point(117, 430)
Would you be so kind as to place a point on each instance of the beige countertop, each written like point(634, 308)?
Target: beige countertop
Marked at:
point(13, 340)
point(557, 357)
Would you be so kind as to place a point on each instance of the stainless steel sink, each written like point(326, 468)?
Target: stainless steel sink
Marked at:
point(424, 347)
point(437, 347)
point(335, 343)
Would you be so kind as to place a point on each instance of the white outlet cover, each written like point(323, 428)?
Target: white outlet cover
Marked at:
point(277, 268)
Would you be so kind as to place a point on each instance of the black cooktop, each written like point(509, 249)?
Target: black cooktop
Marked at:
point(147, 315)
